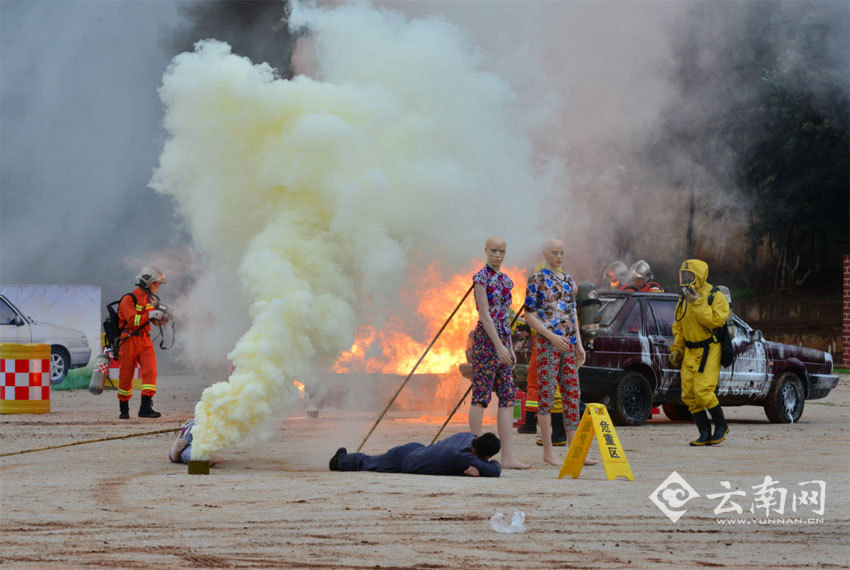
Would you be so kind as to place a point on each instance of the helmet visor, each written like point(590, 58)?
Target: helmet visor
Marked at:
point(686, 277)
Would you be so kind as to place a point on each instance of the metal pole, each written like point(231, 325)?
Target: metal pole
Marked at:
point(91, 441)
point(468, 390)
point(451, 415)
point(415, 366)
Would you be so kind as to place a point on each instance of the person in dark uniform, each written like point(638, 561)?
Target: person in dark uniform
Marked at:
point(461, 454)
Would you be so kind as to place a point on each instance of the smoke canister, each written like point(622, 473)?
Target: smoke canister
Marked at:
point(24, 378)
point(200, 467)
point(99, 373)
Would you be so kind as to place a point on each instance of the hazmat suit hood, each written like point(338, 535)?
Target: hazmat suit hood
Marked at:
point(700, 270)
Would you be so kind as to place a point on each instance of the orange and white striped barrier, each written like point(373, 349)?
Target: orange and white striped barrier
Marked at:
point(25, 377)
point(114, 370)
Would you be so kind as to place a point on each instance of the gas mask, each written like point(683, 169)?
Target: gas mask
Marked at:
point(686, 282)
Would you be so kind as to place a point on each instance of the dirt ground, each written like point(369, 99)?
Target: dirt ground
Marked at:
point(122, 504)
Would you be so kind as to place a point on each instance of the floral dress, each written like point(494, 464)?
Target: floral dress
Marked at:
point(488, 373)
point(552, 297)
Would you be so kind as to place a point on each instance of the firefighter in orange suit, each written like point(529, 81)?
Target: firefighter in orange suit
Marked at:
point(615, 276)
point(640, 279)
point(135, 313)
point(697, 349)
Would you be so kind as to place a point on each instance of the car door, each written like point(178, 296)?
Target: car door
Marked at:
point(660, 316)
point(634, 346)
point(10, 330)
point(747, 378)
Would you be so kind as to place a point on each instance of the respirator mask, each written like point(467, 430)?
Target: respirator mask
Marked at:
point(686, 281)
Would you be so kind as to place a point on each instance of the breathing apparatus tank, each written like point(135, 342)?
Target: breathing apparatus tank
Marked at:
point(729, 322)
point(99, 373)
point(589, 310)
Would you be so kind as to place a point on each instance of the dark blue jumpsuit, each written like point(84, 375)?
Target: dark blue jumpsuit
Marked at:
point(452, 456)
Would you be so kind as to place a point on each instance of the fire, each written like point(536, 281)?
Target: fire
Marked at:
point(460, 418)
point(393, 350)
point(299, 385)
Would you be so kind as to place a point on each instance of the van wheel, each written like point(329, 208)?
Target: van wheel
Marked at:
point(785, 403)
point(677, 413)
point(632, 401)
point(60, 364)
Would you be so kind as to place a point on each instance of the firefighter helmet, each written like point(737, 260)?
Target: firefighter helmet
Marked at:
point(148, 276)
point(640, 270)
point(616, 274)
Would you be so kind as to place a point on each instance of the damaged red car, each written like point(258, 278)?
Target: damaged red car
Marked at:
point(628, 368)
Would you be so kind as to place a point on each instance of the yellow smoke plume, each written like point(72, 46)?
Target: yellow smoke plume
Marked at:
point(320, 191)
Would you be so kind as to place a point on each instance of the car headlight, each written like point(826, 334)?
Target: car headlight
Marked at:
point(84, 340)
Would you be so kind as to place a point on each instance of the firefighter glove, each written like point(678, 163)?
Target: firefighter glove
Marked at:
point(676, 358)
point(156, 314)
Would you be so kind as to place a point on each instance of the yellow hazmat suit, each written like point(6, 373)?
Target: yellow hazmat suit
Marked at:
point(695, 320)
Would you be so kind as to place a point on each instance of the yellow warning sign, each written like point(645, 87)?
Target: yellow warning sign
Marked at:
point(596, 421)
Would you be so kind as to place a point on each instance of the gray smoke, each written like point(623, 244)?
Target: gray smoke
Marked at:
point(252, 28)
point(637, 87)
point(80, 133)
point(79, 119)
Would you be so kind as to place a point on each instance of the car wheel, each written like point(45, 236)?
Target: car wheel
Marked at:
point(785, 403)
point(60, 363)
point(677, 413)
point(633, 400)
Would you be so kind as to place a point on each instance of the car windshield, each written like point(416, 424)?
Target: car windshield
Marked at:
point(610, 308)
point(7, 315)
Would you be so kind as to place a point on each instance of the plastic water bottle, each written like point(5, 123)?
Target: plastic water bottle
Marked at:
point(500, 523)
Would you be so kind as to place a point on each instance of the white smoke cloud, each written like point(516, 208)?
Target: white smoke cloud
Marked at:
point(322, 192)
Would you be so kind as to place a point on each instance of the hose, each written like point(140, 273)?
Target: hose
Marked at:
point(92, 441)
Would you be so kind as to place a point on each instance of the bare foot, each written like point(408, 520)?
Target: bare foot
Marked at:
point(514, 464)
point(590, 462)
point(552, 460)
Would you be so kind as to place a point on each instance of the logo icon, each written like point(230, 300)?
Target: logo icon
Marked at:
point(672, 494)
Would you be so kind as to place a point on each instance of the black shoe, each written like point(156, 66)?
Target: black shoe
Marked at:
point(721, 428)
point(530, 424)
point(125, 410)
point(333, 465)
point(559, 433)
point(704, 427)
point(146, 409)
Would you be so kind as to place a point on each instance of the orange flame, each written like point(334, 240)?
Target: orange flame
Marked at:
point(393, 350)
point(460, 418)
point(300, 386)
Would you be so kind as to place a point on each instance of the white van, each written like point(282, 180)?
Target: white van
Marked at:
point(69, 348)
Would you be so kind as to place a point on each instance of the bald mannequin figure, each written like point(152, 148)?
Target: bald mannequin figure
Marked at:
point(550, 309)
point(493, 356)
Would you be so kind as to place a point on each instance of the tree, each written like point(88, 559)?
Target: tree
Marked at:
point(799, 172)
point(762, 118)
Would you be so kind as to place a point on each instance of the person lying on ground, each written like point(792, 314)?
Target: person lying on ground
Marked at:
point(181, 449)
point(461, 454)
